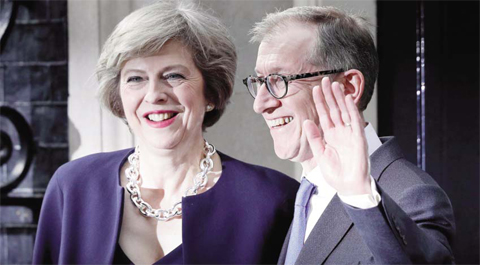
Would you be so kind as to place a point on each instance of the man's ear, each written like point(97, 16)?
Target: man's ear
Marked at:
point(354, 83)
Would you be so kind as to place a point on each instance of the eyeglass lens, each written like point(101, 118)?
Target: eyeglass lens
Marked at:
point(276, 85)
point(253, 85)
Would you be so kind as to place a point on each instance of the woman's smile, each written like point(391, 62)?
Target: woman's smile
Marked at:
point(161, 118)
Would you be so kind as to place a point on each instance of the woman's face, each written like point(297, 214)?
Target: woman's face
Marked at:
point(162, 97)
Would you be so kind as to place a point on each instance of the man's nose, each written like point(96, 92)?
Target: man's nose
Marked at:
point(264, 101)
point(156, 92)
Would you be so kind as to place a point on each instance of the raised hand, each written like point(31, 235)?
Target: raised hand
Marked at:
point(340, 147)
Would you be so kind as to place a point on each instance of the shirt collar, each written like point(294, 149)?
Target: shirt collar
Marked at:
point(323, 188)
point(373, 142)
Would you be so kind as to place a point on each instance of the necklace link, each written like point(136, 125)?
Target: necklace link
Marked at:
point(133, 176)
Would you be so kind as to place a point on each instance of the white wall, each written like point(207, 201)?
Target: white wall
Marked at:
point(91, 128)
point(240, 133)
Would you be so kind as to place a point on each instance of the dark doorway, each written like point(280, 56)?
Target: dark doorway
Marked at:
point(33, 116)
point(451, 103)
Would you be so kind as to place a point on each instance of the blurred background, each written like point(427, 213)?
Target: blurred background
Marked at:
point(427, 96)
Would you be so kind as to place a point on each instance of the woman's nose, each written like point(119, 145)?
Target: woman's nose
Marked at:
point(156, 92)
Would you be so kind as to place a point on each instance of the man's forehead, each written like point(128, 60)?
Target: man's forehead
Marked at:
point(280, 65)
point(288, 28)
point(285, 52)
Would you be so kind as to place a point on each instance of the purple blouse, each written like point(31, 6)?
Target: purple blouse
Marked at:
point(243, 219)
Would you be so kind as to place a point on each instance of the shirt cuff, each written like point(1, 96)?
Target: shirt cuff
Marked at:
point(363, 201)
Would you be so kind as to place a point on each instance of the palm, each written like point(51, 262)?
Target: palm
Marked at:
point(342, 158)
point(341, 151)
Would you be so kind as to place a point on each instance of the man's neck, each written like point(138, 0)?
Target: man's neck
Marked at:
point(308, 165)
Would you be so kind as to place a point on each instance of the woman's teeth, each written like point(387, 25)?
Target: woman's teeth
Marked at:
point(279, 122)
point(160, 117)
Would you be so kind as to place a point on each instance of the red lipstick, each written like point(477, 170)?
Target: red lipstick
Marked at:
point(160, 124)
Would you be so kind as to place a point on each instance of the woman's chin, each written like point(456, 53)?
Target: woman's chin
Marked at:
point(162, 143)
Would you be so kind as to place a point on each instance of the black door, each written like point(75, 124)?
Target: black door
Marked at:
point(428, 97)
point(33, 116)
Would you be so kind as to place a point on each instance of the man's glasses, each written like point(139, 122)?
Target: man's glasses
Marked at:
point(277, 84)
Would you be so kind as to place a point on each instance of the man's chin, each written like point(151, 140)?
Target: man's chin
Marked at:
point(293, 153)
point(283, 153)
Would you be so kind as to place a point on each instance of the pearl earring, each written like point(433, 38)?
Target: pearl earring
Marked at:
point(209, 107)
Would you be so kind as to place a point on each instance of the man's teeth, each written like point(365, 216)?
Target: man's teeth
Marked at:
point(279, 122)
point(160, 117)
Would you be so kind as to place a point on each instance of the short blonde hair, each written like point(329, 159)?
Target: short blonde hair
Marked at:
point(144, 32)
point(343, 41)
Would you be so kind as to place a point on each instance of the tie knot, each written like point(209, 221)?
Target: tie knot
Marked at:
point(304, 192)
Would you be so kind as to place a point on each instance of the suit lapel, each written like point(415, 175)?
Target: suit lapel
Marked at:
point(283, 253)
point(384, 156)
point(327, 233)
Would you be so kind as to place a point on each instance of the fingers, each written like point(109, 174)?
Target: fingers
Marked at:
point(356, 119)
point(330, 104)
point(327, 89)
point(314, 138)
point(338, 92)
point(322, 109)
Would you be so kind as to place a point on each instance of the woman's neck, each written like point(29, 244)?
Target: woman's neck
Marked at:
point(171, 170)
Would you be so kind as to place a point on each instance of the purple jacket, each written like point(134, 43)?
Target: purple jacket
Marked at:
point(243, 219)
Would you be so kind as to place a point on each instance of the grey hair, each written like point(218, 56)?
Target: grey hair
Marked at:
point(144, 32)
point(343, 41)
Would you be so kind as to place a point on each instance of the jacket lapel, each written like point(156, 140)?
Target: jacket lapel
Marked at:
point(114, 213)
point(384, 156)
point(107, 216)
point(327, 233)
point(283, 253)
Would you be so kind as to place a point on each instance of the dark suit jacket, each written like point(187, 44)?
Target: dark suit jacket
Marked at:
point(242, 219)
point(413, 223)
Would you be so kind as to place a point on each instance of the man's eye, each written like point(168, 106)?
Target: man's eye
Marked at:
point(134, 79)
point(257, 79)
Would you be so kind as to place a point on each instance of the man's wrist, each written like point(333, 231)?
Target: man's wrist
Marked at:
point(369, 199)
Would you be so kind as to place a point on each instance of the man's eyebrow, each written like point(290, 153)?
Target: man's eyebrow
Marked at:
point(275, 70)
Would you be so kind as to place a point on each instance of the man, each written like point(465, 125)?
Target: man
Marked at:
point(360, 201)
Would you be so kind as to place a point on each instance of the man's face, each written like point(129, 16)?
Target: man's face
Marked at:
point(286, 53)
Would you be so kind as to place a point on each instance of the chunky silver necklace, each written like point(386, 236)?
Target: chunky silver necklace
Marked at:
point(133, 176)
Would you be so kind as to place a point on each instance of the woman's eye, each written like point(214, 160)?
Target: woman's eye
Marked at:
point(173, 76)
point(134, 79)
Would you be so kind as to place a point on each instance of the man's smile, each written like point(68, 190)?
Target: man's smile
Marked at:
point(278, 122)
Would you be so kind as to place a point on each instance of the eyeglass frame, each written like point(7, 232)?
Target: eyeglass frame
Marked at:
point(287, 79)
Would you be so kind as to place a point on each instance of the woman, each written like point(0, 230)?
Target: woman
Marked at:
point(168, 71)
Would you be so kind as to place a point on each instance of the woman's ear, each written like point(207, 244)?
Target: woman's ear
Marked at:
point(354, 82)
